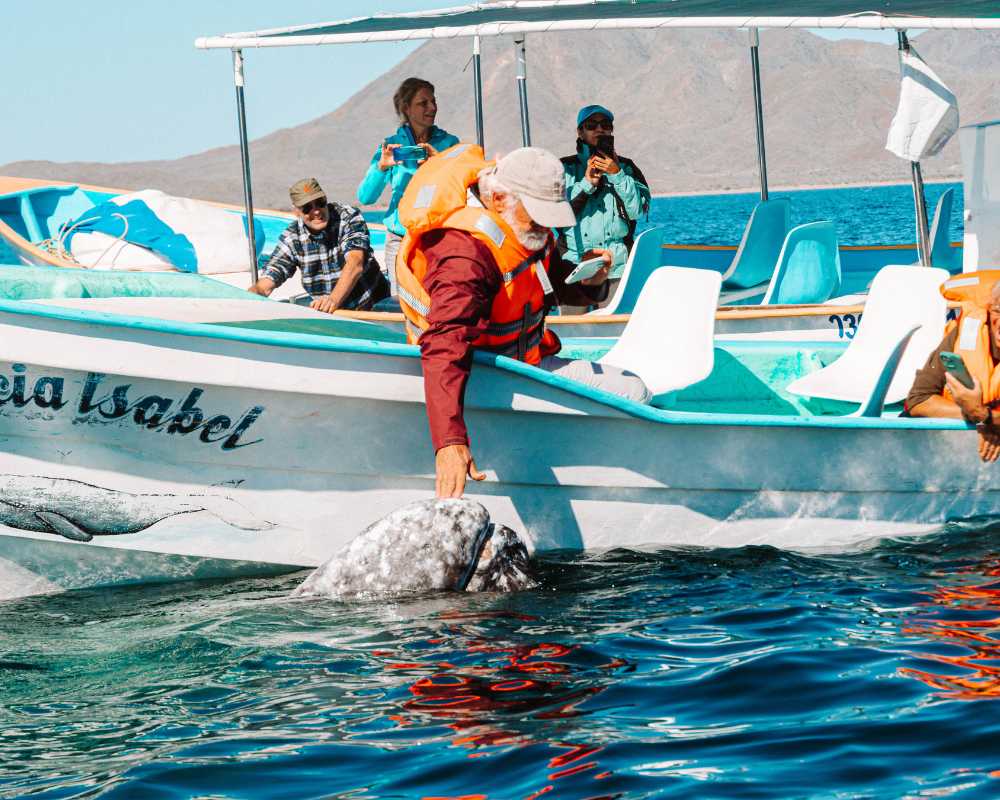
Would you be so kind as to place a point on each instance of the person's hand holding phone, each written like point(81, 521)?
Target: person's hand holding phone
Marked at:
point(429, 149)
point(601, 275)
point(969, 401)
point(594, 172)
point(386, 160)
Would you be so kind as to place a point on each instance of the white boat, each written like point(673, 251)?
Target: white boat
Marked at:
point(157, 427)
point(161, 437)
point(37, 216)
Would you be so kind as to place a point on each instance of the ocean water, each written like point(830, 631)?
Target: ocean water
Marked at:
point(687, 673)
point(867, 215)
point(748, 673)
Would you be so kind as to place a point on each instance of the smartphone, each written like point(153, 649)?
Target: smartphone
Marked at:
point(605, 146)
point(585, 269)
point(953, 363)
point(409, 152)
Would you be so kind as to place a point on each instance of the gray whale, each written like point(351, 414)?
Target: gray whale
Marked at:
point(423, 546)
point(80, 511)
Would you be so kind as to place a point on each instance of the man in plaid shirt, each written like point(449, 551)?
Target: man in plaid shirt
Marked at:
point(329, 243)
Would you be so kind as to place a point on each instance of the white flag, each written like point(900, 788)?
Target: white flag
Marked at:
point(927, 115)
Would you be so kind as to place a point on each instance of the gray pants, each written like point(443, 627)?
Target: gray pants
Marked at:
point(600, 376)
point(612, 288)
point(392, 243)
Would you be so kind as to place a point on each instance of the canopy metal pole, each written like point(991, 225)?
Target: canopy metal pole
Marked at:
point(759, 111)
point(919, 203)
point(245, 156)
point(477, 80)
point(522, 90)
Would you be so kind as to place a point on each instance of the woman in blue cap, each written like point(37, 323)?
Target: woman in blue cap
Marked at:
point(607, 191)
point(416, 107)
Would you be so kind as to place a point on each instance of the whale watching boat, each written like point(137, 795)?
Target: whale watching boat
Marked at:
point(167, 426)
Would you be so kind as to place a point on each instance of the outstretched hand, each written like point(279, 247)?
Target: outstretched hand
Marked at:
point(454, 463)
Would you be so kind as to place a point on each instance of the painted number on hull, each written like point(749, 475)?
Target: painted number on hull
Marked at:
point(847, 324)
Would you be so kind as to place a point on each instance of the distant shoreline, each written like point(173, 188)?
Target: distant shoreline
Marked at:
point(804, 187)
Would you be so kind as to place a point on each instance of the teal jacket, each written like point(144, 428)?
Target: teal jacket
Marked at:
point(605, 214)
point(398, 175)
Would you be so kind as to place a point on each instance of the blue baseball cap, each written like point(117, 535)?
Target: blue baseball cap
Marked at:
point(589, 111)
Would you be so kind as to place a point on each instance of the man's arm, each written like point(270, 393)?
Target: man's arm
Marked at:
point(279, 268)
point(462, 279)
point(354, 265)
point(925, 398)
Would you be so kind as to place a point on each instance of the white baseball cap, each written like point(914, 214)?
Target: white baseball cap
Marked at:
point(537, 178)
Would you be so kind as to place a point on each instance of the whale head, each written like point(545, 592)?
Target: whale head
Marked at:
point(425, 546)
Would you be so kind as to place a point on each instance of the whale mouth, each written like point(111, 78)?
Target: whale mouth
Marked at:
point(502, 564)
point(481, 543)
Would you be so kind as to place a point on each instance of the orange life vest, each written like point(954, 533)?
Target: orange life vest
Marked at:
point(972, 290)
point(435, 199)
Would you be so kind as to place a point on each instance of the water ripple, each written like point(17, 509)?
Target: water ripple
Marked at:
point(750, 672)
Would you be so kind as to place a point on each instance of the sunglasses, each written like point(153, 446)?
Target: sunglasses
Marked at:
point(594, 124)
point(314, 205)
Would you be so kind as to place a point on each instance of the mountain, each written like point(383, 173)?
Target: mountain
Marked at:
point(683, 103)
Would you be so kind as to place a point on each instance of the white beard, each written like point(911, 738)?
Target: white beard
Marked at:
point(531, 240)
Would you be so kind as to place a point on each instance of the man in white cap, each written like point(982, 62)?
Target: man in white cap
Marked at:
point(481, 293)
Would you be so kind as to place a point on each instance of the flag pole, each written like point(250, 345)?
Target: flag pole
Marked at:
point(241, 114)
point(917, 179)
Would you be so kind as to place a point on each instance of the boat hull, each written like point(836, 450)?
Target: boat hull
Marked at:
point(136, 451)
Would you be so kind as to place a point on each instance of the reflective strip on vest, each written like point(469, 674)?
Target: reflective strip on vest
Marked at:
point(968, 333)
point(491, 229)
point(421, 308)
point(529, 321)
point(425, 196)
point(412, 330)
point(957, 283)
point(457, 151)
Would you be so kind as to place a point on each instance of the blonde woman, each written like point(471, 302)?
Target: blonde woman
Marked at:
point(416, 108)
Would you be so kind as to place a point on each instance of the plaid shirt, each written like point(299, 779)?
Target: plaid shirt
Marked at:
point(321, 257)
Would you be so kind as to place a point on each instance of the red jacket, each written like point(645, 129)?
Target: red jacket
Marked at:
point(462, 279)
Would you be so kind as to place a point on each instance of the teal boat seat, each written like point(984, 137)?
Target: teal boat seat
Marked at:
point(41, 283)
point(808, 267)
point(760, 246)
point(644, 258)
point(942, 253)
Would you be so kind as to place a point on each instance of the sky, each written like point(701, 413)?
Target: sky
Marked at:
point(122, 81)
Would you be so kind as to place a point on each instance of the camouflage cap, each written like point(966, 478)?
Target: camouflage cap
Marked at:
point(304, 191)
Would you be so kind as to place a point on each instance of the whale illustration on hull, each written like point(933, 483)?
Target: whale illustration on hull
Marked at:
point(80, 511)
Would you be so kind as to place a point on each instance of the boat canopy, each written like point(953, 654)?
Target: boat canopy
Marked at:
point(527, 16)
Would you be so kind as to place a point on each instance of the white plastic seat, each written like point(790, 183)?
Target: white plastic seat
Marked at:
point(669, 339)
point(644, 259)
point(901, 298)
